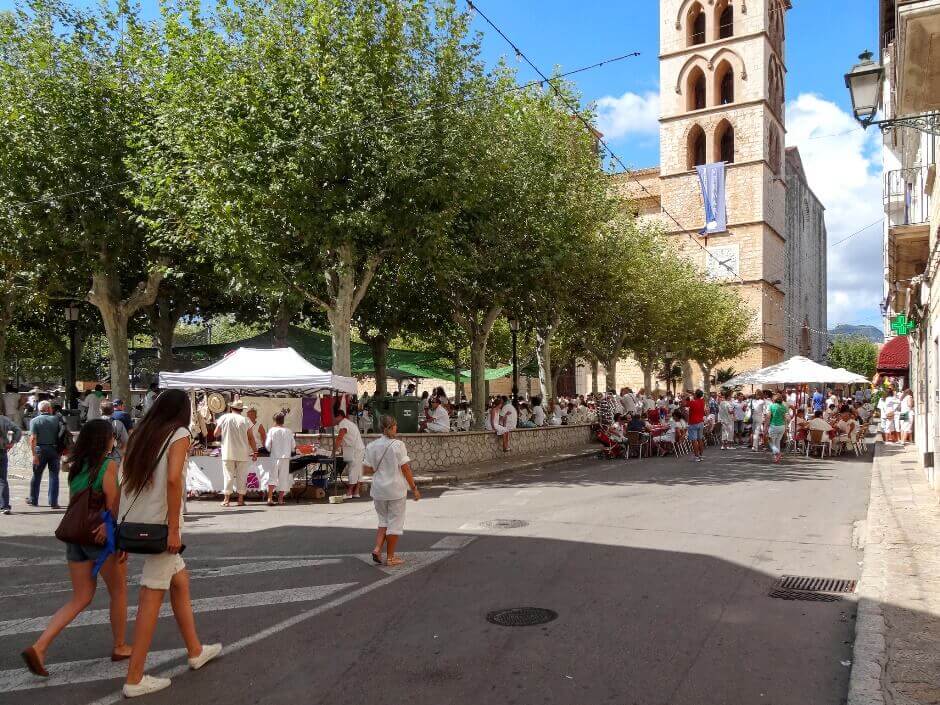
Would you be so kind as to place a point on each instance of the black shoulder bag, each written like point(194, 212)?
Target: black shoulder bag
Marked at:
point(143, 538)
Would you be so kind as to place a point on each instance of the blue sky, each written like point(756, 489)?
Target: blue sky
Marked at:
point(824, 38)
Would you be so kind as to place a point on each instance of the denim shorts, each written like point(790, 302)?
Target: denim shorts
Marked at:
point(76, 553)
point(695, 431)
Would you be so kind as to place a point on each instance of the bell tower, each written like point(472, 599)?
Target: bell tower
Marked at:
point(722, 68)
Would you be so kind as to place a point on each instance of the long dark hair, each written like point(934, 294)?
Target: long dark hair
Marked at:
point(170, 411)
point(91, 448)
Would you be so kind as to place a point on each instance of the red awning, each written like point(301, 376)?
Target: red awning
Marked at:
point(895, 356)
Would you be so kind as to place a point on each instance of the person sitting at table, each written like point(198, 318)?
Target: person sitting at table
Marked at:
point(538, 412)
point(615, 431)
point(818, 423)
point(654, 415)
point(676, 424)
point(846, 428)
point(437, 420)
point(554, 413)
point(798, 426)
point(638, 424)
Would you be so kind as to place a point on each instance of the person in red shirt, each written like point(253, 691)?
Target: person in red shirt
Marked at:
point(696, 407)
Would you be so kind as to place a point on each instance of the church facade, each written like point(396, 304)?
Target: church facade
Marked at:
point(722, 97)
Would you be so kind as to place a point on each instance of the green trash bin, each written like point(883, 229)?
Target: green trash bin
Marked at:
point(407, 411)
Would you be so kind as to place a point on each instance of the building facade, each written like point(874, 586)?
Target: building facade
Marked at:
point(910, 45)
point(722, 96)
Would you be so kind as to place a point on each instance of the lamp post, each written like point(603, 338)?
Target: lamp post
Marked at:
point(71, 317)
point(514, 328)
point(669, 355)
point(864, 82)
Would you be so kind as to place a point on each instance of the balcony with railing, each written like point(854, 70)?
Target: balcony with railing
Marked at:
point(906, 199)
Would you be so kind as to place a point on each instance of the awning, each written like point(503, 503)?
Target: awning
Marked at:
point(253, 372)
point(895, 356)
point(796, 370)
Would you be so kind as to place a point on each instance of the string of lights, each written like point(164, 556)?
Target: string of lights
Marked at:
point(627, 171)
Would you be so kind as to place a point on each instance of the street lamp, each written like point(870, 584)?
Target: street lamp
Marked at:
point(514, 328)
point(72, 312)
point(864, 83)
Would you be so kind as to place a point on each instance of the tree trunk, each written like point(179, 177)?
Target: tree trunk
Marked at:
point(458, 384)
point(648, 377)
point(340, 325)
point(478, 381)
point(556, 374)
point(105, 295)
point(379, 345)
point(595, 372)
point(687, 385)
point(164, 315)
point(544, 353)
point(611, 372)
point(706, 377)
point(281, 327)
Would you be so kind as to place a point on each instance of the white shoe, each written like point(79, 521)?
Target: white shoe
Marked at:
point(147, 685)
point(209, 652)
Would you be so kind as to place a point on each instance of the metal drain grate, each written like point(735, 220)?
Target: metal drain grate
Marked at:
point(521, 617)
point(505, 524)
point(802, 582)
point(801, 587)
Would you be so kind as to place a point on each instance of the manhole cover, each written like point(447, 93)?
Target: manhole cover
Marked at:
point(521, 617)
point(801, 587)
point(505, 524)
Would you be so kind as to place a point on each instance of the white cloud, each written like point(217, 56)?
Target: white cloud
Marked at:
point(843, 166)
point(631, 113)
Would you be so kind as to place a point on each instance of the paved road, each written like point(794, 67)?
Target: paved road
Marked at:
point(659, 571)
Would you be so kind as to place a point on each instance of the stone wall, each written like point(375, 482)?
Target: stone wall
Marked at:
point(430, 452)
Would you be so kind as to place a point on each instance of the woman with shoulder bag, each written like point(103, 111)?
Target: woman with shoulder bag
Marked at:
point(152, 489)
point(91, 473)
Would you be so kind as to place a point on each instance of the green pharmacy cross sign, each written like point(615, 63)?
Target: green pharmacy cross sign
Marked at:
point(902, 325)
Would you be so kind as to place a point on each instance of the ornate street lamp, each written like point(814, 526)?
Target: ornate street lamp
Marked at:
point(514, 328)
point(72, 312)
point(864, 83)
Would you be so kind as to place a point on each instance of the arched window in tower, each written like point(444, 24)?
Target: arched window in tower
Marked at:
point(774, 150)
point(724, 80)
point(696, 24)
point(696, 89)
point(724, 139)
point(725, 14)
point(696, 147)
point(775, 82)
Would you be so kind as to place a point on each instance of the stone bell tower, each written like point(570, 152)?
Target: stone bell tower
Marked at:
point(722, 69)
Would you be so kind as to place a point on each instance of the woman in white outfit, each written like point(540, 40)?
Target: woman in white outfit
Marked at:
point(905, 416)
point(280, 444)
point(152, 493)
point(726, 419)
point(388, 462)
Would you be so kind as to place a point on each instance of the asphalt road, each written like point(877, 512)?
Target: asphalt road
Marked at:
point(658, 570)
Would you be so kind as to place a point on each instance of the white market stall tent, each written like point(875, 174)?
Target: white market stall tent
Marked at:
point(252, 372)
point(258, 373)
point(796, 370)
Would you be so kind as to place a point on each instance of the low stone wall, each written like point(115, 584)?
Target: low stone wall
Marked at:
point(436, 451)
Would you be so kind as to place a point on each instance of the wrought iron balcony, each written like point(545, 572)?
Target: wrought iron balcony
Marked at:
point(906, 199)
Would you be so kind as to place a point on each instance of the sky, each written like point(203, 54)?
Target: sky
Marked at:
point(824, 38)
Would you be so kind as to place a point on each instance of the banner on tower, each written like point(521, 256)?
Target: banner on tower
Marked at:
point(712, 179)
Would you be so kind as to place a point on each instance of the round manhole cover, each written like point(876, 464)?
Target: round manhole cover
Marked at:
point(521, 617)
point(505, 524)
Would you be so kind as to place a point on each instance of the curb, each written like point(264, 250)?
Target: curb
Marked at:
point(870, 654)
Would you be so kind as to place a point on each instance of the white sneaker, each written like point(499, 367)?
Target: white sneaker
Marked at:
point(209, 652)
point(147, 685)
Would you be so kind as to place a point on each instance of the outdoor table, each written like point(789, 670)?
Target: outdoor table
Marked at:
point(656, 432)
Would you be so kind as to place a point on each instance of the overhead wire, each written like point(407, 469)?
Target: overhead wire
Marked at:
point(626, 170)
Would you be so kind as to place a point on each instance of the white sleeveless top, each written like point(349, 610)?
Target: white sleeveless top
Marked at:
point(150, 507)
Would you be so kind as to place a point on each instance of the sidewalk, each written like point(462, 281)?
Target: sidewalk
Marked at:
point(897, 645)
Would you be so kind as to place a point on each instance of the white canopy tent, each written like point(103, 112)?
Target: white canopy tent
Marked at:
point(254, 372)
point(796, 370)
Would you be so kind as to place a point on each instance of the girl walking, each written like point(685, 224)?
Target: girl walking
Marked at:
point(152, 493)
point(90, 466)
point(387, 461)
point(776, 426)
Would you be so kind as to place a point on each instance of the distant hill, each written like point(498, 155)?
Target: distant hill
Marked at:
point(871, 332)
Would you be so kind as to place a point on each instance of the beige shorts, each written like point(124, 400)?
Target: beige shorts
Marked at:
point(159, 569)
point(354, 470)
point(391, 513)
